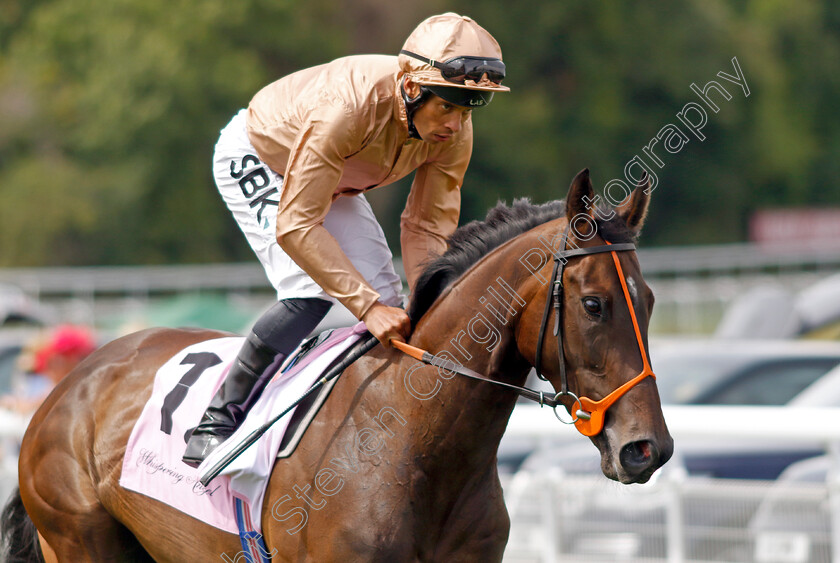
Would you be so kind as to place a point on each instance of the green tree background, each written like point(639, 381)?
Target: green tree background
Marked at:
point(109, 111)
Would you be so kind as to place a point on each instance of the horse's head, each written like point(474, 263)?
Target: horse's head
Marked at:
point(602, 358)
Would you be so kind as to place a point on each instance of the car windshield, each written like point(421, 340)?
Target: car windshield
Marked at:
point(731, 378)
point(773, 382)
point(681, 378)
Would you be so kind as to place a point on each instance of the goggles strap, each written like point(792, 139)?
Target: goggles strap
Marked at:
point(444, 66)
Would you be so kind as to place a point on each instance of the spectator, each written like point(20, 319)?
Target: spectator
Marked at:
point(47, 362)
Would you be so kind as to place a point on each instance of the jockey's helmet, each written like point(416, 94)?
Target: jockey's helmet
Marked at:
point(454, 58)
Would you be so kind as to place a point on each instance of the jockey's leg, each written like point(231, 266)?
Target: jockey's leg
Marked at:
point(274, 336)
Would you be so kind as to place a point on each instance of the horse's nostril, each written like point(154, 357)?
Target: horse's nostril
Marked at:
point(638, 455)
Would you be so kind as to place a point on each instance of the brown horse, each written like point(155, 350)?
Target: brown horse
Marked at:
point(400, 464)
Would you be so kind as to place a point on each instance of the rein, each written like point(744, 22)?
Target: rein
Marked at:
point(428, 358)
point(589, 416)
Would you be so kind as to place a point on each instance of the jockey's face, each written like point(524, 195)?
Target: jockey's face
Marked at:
point(437, 120)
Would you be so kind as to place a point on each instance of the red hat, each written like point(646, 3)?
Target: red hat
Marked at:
point(65, 340)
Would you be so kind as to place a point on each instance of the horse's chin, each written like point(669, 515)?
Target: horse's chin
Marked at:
point(611, 472)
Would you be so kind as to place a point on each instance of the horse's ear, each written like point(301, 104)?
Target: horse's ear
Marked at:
point(579, 199)
point(634, 210)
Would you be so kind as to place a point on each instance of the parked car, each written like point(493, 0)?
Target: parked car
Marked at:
point(733, 372)
point(772, 311)
point(18, 309)
point(824, 392)
point(746, 372)
point(712, 372)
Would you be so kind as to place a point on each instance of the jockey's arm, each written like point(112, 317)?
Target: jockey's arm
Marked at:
point(315, 166)
point(315, 250)
point(432, 210)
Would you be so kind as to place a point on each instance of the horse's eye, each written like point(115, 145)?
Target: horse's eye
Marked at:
point(592, 305)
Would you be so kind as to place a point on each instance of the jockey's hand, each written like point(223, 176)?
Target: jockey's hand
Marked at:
point(387, 323)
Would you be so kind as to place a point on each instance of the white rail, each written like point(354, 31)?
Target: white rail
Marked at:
point(773, 423)
point(676, 518)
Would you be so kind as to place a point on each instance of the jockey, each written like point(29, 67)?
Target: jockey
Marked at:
point(292, 169)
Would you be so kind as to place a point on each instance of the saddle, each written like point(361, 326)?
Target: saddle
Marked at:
point(306, 410)
point(183, 385)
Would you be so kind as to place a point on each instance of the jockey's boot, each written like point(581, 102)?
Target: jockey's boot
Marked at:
point(275, 335)
point(241, 387)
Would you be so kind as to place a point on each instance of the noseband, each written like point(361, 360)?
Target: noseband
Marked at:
point(589, 414)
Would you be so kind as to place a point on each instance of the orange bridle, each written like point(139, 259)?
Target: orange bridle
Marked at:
point(589, 417)
point(590, 420)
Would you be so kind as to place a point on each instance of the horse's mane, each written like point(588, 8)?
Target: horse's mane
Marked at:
point(474, 240)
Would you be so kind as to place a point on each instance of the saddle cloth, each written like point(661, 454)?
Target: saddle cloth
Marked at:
point(183, 388)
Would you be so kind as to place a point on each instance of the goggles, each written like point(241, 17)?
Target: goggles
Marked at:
point(459, 69)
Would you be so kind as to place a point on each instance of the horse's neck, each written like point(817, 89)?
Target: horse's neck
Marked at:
point(473, 324)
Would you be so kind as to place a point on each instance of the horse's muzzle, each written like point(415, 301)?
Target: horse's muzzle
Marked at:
point(641, 458)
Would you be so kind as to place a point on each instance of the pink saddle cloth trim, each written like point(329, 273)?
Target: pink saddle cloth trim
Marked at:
point(152, 464)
